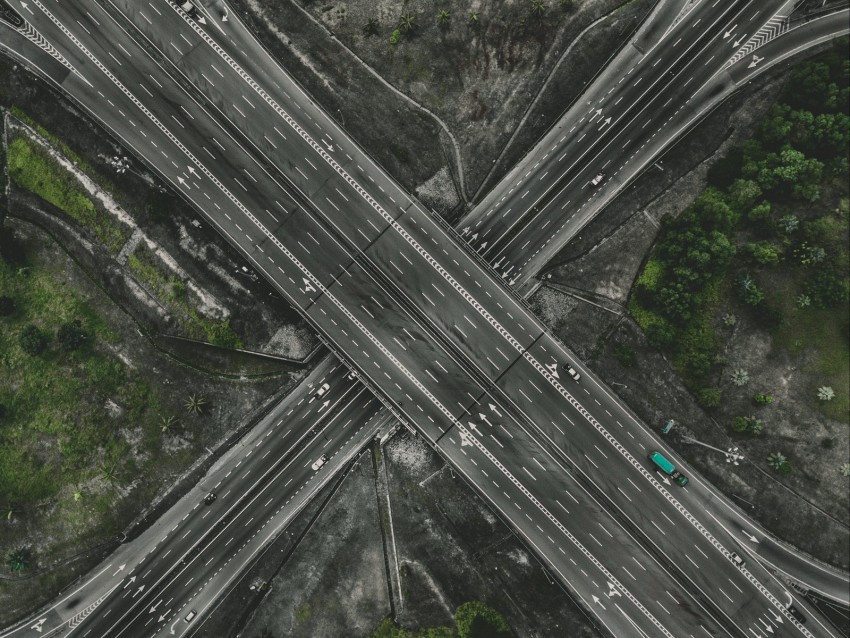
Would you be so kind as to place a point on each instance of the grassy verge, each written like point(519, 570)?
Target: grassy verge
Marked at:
point(32, 169)
point(473, 620)
point(63, 408)
point(172, 293)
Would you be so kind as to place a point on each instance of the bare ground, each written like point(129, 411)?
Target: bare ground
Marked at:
point(451, 548)
point(477, 79)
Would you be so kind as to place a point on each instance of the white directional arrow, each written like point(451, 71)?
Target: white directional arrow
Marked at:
point(164, 615)
point(173, 625)
point(224, 17)
point(605, 123)
point(153, 609)
point(483, 417)
point(755, 62)
point(191, 169)
point(612, 591)
point(324, 405)
point(139, 591)
point(473, 237)
point(767, 626)
point(665, 479)
point(181, 180)
point(202, 20)
point(24, 5)
point(308, 287)
point(473, 427)
point(776, 616)
point(595, 115)
point(119, 569)
point(512, 281)
point(598, 602)
point(750, 536)
point(729, 32)
point(464, 439)
point(499, 263)
point(330, 146)
point(38, 626)
point(482, 246)
point(494, 410)
point(465, 230)
point(553, 369)
point(737, 42)
point(129, 582)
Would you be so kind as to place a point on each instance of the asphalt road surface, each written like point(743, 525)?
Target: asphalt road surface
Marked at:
point(439, 339)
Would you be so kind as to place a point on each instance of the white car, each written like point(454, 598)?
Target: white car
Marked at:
point(572, 372)
point(320, 462)
point(321, 391)
point(189, 9)
point(736, 558)
point(596, 181)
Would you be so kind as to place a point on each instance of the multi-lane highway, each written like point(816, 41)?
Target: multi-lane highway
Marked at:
point(650, 95)
point(421, 319)
point(193, 553)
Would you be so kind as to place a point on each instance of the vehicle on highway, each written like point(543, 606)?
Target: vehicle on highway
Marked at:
point(736, 558)
point(596, 181)
point(572, 372)
point(189, 9)
point(321, 391)
point(661, 462)
point(320, 462)
point(209, 499)
point(799, 617)
point(190, 616)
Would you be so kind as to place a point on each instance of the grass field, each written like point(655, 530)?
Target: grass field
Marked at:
point(59, 428)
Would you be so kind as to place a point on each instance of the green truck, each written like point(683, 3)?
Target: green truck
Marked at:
point(661, 462)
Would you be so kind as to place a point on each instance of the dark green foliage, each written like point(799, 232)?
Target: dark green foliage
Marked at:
point(7, 306)
point(32, 340)
point(660, 334)
point(19, 559)
point(727, 169)
point(625, 355)
point(71, 335)
point(762, 399)
point(477, 620)
point(763, 253)
point(709, 398)
point(827, 443)
point(748, 425)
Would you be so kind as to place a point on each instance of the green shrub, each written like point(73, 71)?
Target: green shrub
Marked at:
point(709, 398)
point(32, 340)
point(762, 399)
point(477, 620)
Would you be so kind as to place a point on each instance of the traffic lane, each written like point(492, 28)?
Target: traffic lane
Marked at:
point(587, 453)
point(230, 528)
point(248, 468)
point(446, 307)
point(554, 193)
point(647, 77)
point(218, 584)
point(424, 382)
point(602, 408)
point(588, 550)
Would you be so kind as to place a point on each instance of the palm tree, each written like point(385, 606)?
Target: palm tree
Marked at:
point(443, 17)
point(539, 7)
point(110, 474)
point(407, 22)
point(195, 403)
point(10, 510)
point(473, 17)
point(779, 462)
point(166, 424)
point(371, 26)
point(19, 559)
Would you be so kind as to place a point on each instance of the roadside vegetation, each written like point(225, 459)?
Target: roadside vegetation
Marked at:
point(32, 169)
point(472, 620)
point(174, 295)
point(64, 399)
point(764, 246)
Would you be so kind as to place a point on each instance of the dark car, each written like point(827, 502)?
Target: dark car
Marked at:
point(800, 618)
point(209, 499)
